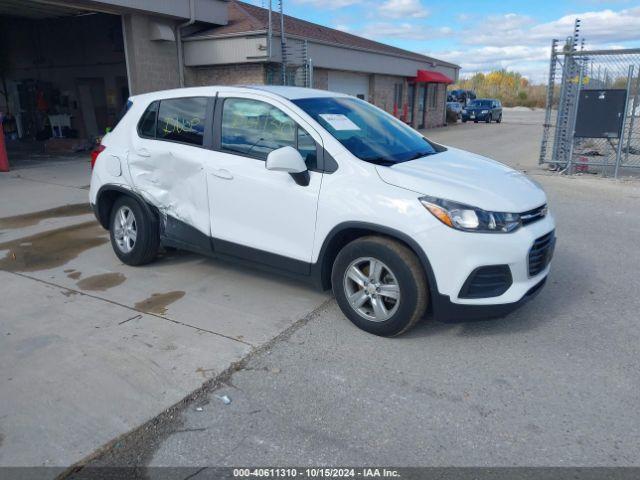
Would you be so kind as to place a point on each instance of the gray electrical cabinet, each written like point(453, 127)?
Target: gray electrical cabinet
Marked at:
point(600, 113)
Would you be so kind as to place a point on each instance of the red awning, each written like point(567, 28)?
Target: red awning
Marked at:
point(429, 76)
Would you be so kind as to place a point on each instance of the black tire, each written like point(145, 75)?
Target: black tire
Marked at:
point(407, 273)
point(499, 120)
point(475, 121)
point(464, 120)
point(489, 118)
point(147, 241)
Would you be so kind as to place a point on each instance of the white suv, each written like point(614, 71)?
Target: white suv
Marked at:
point(325, 187)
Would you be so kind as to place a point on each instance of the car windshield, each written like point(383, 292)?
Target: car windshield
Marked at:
point(367, 132)
point(480, 103)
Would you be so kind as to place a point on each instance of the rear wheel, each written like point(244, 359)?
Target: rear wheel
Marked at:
point(134, 233)
point(380, 285)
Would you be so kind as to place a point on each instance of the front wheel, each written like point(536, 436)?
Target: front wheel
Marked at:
point(380, 285)
point(134, 232)
point(499, 120)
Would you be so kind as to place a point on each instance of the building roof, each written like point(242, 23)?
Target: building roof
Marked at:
point(245, 18)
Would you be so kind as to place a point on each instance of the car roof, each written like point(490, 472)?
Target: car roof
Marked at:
point(294, 93)
point(291, 93)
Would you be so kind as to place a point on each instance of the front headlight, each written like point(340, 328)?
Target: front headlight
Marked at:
point(471, 219)
point(485, 111)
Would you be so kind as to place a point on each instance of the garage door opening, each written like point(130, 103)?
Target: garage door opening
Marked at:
point(356, 84)
point(63, 75)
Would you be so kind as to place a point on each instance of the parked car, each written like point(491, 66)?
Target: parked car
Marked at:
point(483, 109)
point(327, 188)
point(456, 108)
point(461, 96)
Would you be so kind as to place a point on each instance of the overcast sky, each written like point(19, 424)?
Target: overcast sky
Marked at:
point(479, 35)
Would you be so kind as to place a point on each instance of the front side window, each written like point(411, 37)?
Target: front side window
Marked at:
point(254, 128)
point(307, 147)
point(366, 131)
point(182, 120)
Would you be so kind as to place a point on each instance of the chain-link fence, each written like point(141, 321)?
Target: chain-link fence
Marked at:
point(592, 117)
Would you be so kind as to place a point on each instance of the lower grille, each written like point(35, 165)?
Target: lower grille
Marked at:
point(485, 282)
point(541, 253)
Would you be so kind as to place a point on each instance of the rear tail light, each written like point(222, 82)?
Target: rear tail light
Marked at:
point(94, 154)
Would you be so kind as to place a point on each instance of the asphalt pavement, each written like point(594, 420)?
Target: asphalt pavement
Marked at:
point(553, 384)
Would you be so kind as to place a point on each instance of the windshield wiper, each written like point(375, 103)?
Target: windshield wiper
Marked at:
point(385, 162)
point(420, 155)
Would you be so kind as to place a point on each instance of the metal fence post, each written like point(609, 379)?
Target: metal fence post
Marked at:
point(572, 125)
point(549, 102)
point(633, 116)
point(624, 120)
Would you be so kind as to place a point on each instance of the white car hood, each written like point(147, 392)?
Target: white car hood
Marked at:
point(467, 178)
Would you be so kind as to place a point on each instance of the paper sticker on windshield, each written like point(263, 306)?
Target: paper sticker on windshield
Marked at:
point(339, 121)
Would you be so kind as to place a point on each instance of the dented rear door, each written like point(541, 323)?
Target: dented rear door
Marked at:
point(167, 165)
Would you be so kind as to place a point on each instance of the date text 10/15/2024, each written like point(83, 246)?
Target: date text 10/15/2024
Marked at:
point(315, 473)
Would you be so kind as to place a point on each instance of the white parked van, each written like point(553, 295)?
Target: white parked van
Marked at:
point(326, 187)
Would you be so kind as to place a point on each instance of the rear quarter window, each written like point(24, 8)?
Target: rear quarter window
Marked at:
point(147, 123)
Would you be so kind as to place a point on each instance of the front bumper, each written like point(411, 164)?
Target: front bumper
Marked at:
point(445, 310)
point(476, 117)
point(455, 255)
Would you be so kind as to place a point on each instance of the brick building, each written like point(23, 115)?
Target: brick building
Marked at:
point(247, 50)
point(67, 67)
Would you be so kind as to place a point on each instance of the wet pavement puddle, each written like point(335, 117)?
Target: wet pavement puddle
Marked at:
point(101, 282)
point(30, 219)
point(158, 302)
point(51, 249)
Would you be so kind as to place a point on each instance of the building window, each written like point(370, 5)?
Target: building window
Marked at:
point(432, 96)
point(397, 98)
point(182, 120)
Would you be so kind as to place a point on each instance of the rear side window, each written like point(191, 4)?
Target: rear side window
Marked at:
point(147, 123)
point(182, 120)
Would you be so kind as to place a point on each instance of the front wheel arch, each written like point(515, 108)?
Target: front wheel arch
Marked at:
point(346, 232)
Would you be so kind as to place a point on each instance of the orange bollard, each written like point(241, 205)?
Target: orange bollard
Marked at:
point(4, 159)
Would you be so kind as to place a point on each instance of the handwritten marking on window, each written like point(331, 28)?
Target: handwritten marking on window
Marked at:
point(179, 125)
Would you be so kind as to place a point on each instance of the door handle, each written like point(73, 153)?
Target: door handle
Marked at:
point(143, 152)
point(222, 173)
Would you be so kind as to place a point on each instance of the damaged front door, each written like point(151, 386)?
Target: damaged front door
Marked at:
point(167, 160)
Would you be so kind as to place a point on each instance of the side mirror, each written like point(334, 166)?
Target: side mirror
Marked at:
point(289, 160)
point(286, 159)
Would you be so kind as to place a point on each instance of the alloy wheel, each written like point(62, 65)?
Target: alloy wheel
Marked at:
point(372, 289)
point(125, 229)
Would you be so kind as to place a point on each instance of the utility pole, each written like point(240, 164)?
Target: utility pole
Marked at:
point(283, 44)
